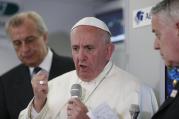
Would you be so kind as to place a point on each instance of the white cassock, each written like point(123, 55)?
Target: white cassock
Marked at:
point(114, 87)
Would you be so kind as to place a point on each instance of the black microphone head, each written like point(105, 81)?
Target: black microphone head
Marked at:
point(134, 108)
point(134, 111)
point(76, 91)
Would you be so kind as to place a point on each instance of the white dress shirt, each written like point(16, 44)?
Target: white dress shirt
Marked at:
point(45, 64)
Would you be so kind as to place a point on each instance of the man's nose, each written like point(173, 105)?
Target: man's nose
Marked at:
point(24, 47)
point(82, 55)
point(156, 44)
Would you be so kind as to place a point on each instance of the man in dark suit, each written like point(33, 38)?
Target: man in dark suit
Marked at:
point(165, 25)
point(29, 37)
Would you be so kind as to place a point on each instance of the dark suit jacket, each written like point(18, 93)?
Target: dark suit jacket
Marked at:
point(16, 90)
point(169, 109)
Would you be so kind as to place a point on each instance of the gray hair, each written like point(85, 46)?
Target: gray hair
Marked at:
point(169, 8)
point(19, 19)
point(107, 38)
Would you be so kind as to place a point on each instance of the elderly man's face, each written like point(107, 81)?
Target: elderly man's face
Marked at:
point(167, 39)
point(30, 46)
point(90, 51)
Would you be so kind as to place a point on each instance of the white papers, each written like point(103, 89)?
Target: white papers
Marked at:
point(103, 111)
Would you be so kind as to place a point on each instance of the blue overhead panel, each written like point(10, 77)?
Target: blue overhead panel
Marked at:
point(114, 20)
point(8, 8)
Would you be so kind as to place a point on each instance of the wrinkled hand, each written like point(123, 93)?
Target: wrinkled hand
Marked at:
point(40, 88)
point(76, 109)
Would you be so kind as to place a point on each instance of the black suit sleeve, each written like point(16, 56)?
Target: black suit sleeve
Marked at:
point(3, 108)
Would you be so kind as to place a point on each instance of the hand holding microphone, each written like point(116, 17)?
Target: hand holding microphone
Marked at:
point(75, 108)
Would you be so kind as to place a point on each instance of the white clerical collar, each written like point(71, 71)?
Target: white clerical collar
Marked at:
point(46, 63)
point(101, 76)
point(90, 87)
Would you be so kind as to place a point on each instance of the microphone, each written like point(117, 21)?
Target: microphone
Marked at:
point(76, 91)
point(134, 111)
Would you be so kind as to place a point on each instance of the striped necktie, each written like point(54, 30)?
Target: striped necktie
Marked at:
point(36, 70)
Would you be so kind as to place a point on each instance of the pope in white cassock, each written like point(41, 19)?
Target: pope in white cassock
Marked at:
point(107, 91)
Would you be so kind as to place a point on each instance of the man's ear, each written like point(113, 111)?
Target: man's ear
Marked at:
point(46, 37)
point(110, 50)
point(177, 26)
